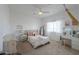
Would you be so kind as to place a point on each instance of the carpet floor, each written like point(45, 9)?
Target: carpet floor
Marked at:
point(54, 48)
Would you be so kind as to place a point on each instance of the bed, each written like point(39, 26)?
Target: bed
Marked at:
point(37, 40)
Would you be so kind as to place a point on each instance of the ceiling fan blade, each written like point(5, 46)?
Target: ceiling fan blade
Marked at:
point(45, 11)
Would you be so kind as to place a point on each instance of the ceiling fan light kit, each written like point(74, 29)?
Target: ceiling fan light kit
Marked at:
point(40, 13)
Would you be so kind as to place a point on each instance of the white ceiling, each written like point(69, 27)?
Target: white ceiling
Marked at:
point(33, 9)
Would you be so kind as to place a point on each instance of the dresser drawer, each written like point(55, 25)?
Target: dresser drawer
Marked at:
point(75, 44)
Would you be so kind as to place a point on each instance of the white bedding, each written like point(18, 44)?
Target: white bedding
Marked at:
point(37, 40)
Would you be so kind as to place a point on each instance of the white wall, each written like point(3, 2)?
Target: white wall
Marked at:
point(61, 15)
point(4, 23)
point(23, 17)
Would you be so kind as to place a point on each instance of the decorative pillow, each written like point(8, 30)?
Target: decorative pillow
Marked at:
point(35, 33)
point(30, 33)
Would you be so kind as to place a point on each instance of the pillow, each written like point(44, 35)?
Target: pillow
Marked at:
point(36, 33)
point(30, 33)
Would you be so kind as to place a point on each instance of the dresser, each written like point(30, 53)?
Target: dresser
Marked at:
point(66, 40)
point(70, 41)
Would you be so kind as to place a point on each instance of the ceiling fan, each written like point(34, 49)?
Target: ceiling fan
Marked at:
point(41, 11)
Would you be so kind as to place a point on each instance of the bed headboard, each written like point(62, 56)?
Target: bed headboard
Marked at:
point(32, 32)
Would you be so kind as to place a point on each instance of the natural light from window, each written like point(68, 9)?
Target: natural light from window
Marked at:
point(54, 27)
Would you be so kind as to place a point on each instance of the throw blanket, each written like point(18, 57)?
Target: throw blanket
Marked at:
point(38, 40)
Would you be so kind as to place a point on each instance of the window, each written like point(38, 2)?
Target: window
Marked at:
point(54, 27)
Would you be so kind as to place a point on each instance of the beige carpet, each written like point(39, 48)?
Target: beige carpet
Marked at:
point(54, 48)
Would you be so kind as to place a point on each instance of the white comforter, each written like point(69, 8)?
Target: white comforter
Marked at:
point(38, 40)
